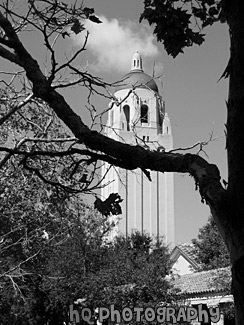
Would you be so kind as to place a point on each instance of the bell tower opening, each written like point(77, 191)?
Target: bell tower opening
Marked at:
point(126, 109)
point(144, 113)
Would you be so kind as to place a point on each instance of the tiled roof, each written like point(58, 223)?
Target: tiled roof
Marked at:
point(206, 281)
point(188, 251)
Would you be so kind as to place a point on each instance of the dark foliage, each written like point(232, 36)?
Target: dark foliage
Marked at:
point(210, 248)
point(180, 24)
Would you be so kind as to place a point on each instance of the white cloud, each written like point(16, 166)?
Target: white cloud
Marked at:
point(113, 44)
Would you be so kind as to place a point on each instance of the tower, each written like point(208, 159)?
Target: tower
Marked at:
point(137, 116)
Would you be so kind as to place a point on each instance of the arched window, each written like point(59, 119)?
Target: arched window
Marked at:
point(126, 109)
point(144, 113)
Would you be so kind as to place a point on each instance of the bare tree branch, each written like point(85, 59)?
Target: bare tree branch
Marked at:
point(123, 155)
point(15, 108)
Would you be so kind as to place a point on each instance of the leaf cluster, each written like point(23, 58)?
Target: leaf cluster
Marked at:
point(180, 24)
point(110, 206)
point(210, 248)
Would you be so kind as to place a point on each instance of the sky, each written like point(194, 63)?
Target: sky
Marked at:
point(195, 100)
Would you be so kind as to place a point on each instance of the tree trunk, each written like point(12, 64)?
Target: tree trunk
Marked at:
point(238, 289)
point(234, 214)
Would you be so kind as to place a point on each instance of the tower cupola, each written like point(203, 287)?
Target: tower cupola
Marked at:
point(136, 63)
point(137, 77)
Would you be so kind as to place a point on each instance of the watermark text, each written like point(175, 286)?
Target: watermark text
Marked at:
point(137, 314)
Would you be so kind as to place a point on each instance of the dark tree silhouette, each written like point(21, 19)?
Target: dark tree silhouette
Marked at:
point(210, 248)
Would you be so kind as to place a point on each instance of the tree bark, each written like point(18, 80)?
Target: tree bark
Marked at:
point(235, 151)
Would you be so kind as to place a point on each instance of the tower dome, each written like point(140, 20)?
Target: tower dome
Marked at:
point(137, 77)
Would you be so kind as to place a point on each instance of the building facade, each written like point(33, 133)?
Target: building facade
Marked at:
point(203, 289)
point(137, 116)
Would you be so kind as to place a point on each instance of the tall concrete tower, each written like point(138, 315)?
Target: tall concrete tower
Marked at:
point(138, 116)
